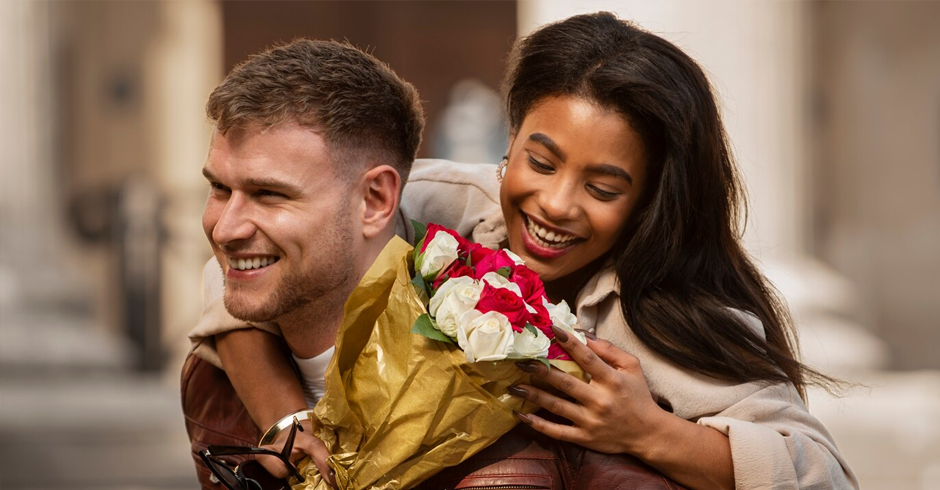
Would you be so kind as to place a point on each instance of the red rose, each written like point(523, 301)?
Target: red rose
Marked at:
point(555, 351)
point(434, 228)
point(478, 253)
point(492, 263)
point(530, 284)
point(506, 302)
point(455, 269)
point(541, 319)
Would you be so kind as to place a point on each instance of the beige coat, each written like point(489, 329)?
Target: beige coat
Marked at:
point(775, 442)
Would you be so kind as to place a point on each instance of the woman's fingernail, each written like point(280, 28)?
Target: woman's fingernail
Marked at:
point(560, 334)
point(515, 390)
point(528, 367)
point(523, 417)
point(587, 334)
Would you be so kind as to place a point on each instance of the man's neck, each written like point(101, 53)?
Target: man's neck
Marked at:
point(311, 330)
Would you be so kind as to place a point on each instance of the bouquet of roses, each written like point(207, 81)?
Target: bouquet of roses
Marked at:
point(487, 301)
point(400, 407)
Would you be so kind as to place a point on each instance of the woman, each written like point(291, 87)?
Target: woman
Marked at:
point(620, 191)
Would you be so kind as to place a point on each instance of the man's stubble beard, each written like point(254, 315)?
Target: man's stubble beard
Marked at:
point(312, 293)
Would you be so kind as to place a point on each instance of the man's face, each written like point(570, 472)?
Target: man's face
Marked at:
point(279, 220)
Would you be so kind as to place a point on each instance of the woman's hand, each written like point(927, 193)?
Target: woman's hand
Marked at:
point(613, 413)
point(305, 444)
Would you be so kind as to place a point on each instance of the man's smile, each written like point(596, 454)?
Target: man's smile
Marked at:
point(248, 263)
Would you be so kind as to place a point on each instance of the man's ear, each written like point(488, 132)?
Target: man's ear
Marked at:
point(381, 189)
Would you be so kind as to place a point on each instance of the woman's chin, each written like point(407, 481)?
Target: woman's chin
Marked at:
point(546, 273)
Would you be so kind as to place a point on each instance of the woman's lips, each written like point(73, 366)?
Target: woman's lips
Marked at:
point(535, 248)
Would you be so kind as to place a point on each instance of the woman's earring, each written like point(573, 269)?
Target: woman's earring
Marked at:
point(501, 168)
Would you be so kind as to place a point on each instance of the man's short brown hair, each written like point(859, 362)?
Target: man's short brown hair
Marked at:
point(357, 102)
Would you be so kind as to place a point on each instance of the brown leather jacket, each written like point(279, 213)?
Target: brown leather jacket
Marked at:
point(521, 459)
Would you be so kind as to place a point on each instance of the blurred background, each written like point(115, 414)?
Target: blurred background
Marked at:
point(833, 109)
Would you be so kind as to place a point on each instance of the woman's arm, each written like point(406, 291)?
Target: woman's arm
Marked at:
point(615, 413)
point(261, 374)
point(264, 379)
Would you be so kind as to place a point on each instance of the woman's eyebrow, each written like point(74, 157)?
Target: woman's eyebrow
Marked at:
point(612, 170)
point(549, 144)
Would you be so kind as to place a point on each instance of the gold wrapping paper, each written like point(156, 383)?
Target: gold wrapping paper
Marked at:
point(399, 407)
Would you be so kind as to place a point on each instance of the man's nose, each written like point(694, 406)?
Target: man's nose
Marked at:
point(234, 222)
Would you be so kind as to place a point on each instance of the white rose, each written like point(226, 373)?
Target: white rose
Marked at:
point(484, 336)
point(498, 281)
point(528, 345)
point(515, 258)
point(563, 318)
point(440, 253)
point(456, 296)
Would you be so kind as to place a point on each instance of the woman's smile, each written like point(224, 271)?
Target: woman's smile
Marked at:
point(544, 241)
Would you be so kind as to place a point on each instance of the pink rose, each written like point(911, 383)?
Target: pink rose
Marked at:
point(506, 302)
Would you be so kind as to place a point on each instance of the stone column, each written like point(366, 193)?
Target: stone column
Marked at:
point(29, 198)
point(183, 67)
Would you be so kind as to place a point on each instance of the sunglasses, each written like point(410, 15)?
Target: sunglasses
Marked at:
point(251, 475)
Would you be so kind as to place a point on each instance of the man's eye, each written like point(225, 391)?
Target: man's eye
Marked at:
point(539, 166)
point(267, 193)
point(215, 186)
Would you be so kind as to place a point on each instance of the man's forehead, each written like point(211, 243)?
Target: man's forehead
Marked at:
point(259, 155)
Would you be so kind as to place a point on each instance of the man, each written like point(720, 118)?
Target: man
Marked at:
point(312, 143)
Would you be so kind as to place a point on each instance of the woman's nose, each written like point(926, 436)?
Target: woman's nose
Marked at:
point(559, 202)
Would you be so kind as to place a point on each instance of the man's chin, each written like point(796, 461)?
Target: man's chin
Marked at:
point(249, 313)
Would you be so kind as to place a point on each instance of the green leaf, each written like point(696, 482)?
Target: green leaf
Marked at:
point(544, 361)
point(504, 271)
point(419, 283)
point(531, 328)
point(421, 288)
point(420, 230)
point(418, 227)
point(424, 326)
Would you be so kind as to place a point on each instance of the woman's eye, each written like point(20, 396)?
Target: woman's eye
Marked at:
point(603, 194)
point(539, 166)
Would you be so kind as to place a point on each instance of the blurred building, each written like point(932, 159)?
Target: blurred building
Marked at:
point(833, 109)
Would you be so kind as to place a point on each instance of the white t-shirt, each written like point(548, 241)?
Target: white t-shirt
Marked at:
point(313, 373)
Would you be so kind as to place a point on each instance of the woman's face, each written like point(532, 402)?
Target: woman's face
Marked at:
point(576, 171)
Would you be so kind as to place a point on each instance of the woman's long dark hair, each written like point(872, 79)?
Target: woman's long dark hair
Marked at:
point(680, 264)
